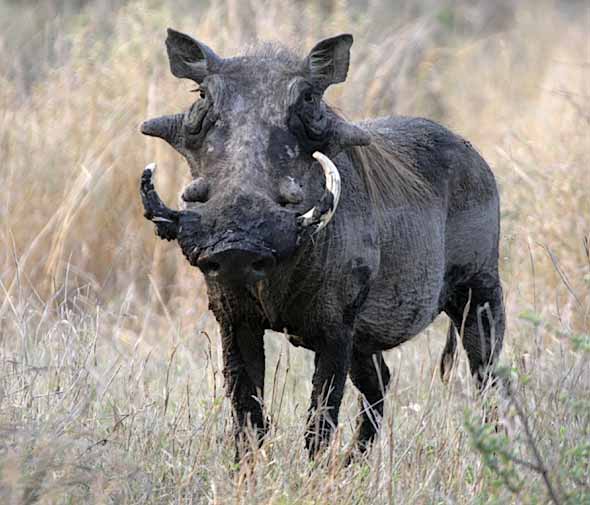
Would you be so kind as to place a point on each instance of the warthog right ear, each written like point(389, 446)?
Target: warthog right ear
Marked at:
point(327, 63)
point(189, 58)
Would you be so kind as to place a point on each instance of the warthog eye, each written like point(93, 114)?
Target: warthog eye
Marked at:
point(199, 119)
point(308, 120)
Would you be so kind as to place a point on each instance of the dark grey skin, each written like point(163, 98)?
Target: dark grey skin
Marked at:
point(390, 260)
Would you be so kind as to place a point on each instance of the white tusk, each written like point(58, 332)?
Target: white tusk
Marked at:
point(333, 186)
point(151, 167)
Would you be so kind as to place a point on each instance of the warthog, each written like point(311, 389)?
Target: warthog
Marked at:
point(349, 237)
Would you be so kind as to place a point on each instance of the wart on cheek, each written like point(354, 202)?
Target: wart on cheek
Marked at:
point(290, 191)
point(196, 191)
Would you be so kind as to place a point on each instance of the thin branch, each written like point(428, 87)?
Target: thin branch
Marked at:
point(540, 467)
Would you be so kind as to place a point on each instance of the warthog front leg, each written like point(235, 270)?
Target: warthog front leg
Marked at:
point(332, 362)
point(243, 359)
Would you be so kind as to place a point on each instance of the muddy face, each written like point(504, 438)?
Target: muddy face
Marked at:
point(250, 140)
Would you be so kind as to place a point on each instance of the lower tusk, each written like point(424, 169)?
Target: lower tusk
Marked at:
point(322, 214)
point(165, 219)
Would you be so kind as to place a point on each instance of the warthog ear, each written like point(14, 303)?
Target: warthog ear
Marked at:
point(327, 63)
point(165, 127)
point(189, 58)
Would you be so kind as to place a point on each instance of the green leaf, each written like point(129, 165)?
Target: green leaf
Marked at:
point(531, 317)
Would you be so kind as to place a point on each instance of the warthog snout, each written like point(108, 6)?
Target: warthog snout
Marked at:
point(237, 263)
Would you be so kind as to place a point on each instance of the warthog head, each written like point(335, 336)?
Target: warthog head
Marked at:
point(258, 142)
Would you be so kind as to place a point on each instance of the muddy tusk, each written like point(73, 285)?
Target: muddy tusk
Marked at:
point(165, 219)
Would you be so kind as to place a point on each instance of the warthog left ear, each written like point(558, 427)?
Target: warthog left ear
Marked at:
point(189, 58)
point(327, 63)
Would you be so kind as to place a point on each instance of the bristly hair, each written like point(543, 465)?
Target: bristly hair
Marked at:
point(389, 172)
point(275, 51)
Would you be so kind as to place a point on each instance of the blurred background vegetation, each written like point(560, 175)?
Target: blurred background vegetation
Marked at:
point(78, 76)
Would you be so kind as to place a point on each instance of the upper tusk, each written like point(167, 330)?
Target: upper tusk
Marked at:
point(319, 215)
point(333, 183)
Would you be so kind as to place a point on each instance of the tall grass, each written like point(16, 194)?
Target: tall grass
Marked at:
point(110, 381)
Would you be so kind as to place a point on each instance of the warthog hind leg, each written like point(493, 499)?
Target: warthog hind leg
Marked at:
point(477, 311)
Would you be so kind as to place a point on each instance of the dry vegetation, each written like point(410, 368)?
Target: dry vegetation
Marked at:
point(110, 382)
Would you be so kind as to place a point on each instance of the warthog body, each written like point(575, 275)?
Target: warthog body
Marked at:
point(415, 231)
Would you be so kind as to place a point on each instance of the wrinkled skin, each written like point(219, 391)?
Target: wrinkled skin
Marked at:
point(373, 278)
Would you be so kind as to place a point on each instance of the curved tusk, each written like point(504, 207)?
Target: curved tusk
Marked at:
point(322, 214)
point(165, 219)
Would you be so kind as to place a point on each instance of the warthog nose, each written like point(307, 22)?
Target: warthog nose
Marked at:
point(237, 264)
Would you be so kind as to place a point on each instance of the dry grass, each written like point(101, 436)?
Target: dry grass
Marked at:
point(110, 382)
